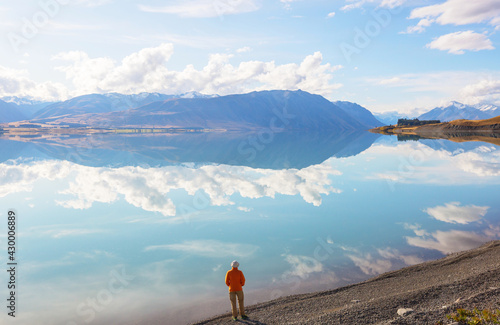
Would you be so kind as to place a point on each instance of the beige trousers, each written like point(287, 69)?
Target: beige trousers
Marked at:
point(232, 297)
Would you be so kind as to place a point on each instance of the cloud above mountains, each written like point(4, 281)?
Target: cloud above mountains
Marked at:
point(147, 71)
point(14, 82)
point(485, 90)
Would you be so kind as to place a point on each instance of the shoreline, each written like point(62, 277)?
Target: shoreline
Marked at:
point(432, 289)
point(457, 131)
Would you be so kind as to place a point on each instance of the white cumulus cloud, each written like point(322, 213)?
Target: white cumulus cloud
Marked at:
point(243, 49)
point(420, 27)
point(485, 90)
point(146, 71)
point(15, 82)
point(482, 88)
point(458, 42)
point(461, 12)
point(392, 3)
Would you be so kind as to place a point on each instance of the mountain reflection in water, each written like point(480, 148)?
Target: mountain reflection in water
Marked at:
point(257, 150)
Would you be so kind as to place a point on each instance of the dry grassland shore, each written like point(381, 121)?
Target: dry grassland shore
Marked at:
point(419, 294)
point(457, 131)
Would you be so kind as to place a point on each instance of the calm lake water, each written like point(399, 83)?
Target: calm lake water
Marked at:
point(122, 229)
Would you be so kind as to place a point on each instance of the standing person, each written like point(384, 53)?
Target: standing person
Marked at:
point(235, 280)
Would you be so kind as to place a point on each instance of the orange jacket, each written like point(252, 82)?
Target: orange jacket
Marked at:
point(235, 280)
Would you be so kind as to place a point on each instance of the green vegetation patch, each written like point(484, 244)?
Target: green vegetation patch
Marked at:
point(476, 316)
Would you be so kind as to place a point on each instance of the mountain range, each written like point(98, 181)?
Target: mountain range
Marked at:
point(104, 103)
point(290, 110)
point(253, 110)
point(275, 110)
point(27, 106)
point(452, 111)
point(10, 113)
point(391, 118)
point(458, 111)
point(359, 112)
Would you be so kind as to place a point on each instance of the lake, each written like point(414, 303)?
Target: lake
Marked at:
point(123, 229)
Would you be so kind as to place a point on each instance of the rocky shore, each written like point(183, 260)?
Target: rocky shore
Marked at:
point(419, 294)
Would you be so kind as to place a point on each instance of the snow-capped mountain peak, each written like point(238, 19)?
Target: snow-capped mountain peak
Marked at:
point(455, 110)
point(454, 104)
point(486, 107)
point(21, 100)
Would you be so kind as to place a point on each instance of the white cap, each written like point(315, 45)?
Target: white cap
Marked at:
point(235, 264)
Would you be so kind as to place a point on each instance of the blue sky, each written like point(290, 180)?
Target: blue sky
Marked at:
point(385, 55)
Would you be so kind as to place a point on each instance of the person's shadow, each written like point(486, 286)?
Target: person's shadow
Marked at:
point(251, 321)
point(224, 319)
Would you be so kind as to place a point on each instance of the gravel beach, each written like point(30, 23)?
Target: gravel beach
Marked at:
point(419, 294)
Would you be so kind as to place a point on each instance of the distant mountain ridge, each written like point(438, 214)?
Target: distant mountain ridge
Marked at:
point(452, 111)
point(275, 110)
point(14, 109)
point(25, 105)
point(360, 113)
point(392, 117)
point(195, 110)
point(10, 113)
point(104, 103)
point(457, 111)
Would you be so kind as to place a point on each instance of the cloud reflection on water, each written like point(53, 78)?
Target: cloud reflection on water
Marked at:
point(451, 241)
point(417, 163)
point(382, 260)
point(148, 188)
point(208, 248)
point(454, 213)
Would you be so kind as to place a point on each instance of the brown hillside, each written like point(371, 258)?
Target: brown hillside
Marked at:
point(488, 122)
